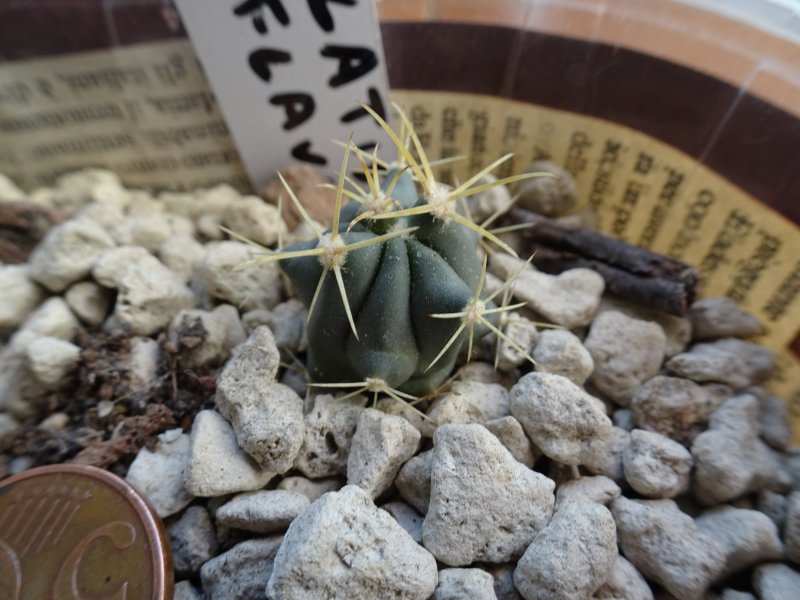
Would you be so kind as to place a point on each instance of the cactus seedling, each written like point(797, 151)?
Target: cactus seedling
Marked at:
point(395, 287)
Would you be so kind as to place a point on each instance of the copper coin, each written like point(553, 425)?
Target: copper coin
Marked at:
point(75, 532)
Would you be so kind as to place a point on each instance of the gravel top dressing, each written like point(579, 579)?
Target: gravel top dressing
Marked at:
point(450, 421)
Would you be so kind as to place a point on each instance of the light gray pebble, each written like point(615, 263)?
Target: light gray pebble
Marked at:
point(571, 557)
point(408, 518)
point(467, 402)
point(608, 461)
point(242, 572)
point(511, 434)
point(148, 293)
point(656, 466)
point(414, 481)
point(599, 489)
point(776, 427)
point(158, 474)
point(623, 418)
point(311, 489)
point(248, 288)
point(52, 317)
point(666, 545)
point(551, 196)
point(792, 527)
point(624, 583)
point(266, 416)
point(184, 590)
point(774, 505)
point(561, 352)
point(19, 296)
point(565, 422)
point(721, 317)
point(51, 360)
point(493, 200)
point(329, 427)
point(219, 331)
point(569, 299)
point(182, 254)
point(523, 333)
point(730, 459)
point(484, 505)
point(67, 253)
point(401, 408)
point(193, 540)
point(343, 546)
point(675, 407)
point(150, 231)
point(746, 537)
point(89, 301)
point(263, 511)
point(380, 446)
point(730, 361)
point(776, 582)
point(217, 465)
point(464, 584)
point(255, 219)
point(626, 353)
point(504, 581)
point(287, 321)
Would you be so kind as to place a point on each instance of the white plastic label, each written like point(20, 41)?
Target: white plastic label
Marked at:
point(289, 76)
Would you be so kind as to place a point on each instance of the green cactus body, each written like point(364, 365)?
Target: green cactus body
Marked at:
point(392, 288)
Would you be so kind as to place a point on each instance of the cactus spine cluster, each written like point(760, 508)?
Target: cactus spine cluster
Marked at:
point(395, 287)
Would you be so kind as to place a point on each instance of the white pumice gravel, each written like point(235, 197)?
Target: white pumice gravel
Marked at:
point(89, 301)
point(159, 474)
point(656, 466)
point(217, 465)
point(569, 299)
point(414, 481)
point(266, 416)
point(599, 489)
point(746, 537)
point(571, 557)
point(511, 434)
point(524, 333)
point(467, 402)
point(242, 572)
point(264, 511)
point(666, 545)
point(731, 361)
point(67, 253)
point(564, 422)
point(311, 488)
point(380, 446)
point(730, 459)
point(343, 546)
point(624, 583)
point(561, 352)
point(460, 584)
point(218, 330)
point(258, 287)
point(626, 353)
point(329, 429)
point(675, 407)
point(408, 518)
point(484, 505)
point(193, 540)
point(775, 581)
point(19, 295)
point(148, 293)
point(721, 317)
point(643, 456)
